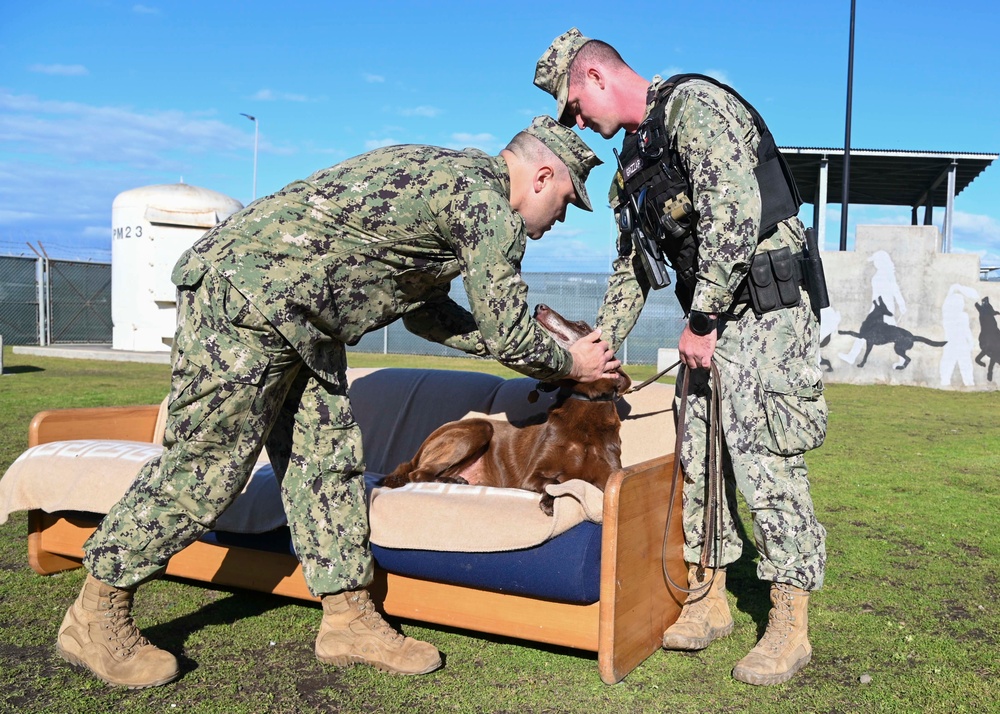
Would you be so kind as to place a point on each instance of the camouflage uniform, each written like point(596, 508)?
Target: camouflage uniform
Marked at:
point(266, 303)
point(773, 408)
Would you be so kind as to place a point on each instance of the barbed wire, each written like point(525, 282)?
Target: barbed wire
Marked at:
point(53, 249)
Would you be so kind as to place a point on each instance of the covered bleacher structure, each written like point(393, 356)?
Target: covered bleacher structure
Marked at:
point(918, 179)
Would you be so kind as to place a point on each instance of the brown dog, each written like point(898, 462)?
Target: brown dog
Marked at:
point(578, 438)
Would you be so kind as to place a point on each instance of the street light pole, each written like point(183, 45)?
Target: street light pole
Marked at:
point(256, 128)
point(845, 192)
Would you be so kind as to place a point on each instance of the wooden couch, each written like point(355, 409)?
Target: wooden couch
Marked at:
point(624, 627)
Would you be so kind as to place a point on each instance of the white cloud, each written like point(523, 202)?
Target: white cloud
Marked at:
point(421, 111)
point(60, 70)
point(373, 78)
point(719, 75)
point(145, 10)
point(63, 163)
point(979, 234)
point(269, 95)
point(986, 227)
point(569, 250)
point(72, 132)
point(484, 141)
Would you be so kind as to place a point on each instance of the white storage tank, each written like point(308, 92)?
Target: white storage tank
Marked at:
point(150, 227)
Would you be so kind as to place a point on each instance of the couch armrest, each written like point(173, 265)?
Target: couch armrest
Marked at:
point(128, 423)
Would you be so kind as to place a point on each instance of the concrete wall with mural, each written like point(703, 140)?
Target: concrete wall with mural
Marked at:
point(902, 312)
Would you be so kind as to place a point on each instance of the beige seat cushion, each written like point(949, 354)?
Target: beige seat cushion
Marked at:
point(92, 474)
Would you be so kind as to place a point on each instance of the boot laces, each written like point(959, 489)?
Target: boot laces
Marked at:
point(120, 626)
point(696, 608)
point(780, 622)
point(371, 618)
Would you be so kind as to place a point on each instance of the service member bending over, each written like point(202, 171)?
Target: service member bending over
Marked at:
point(736, 207)
point(267, 302)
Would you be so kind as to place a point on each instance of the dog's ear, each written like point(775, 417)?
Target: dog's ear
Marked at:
point(624, 383)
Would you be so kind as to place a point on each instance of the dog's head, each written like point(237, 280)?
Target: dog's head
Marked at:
point(566, 333)
point(984, 308)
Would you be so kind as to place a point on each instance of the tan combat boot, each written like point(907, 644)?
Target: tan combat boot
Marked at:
point(705, 616)
point(784, 649)
point(352, 632)
point(98, 633)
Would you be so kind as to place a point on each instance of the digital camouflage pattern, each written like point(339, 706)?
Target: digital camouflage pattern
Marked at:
point(235, 383)
point(717, 141)
point(576, 155)
point(381, 236)
point(552, 69)
point(267, 301)
point(770, 380)
point(772, 412)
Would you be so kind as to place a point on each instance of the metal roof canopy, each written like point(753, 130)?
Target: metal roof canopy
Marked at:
point(885, 178)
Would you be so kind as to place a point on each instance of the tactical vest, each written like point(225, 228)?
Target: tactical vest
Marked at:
point(655, 190)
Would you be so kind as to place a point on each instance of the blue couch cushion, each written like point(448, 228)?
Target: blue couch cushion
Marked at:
point(566, 568)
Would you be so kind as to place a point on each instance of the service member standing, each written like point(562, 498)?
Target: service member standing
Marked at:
point(267, 302)
point(735, 207)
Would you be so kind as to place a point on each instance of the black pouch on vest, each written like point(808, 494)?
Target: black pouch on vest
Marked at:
point(773, 281)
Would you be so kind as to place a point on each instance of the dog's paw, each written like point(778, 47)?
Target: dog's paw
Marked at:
point(452, 479)
point(394, 481)
point(547, 504)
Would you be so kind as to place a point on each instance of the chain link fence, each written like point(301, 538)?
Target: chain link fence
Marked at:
point(79, 302)
point(19, 300)
point(76, 308)
point(45, 301)
point(577, 296)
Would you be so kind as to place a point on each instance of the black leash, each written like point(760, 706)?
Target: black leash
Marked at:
point(715, 485)
point(653, 378)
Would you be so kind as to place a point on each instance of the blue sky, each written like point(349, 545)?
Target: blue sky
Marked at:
point(101, 96)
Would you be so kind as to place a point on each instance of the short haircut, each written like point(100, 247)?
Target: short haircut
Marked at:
point(594, 52)
point(532, 151)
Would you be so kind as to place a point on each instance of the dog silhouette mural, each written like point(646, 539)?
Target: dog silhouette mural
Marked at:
point(989, 336)
point(875, 330)
point(885, 287)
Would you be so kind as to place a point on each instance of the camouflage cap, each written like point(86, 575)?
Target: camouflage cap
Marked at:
point(571, 149)
point(552, 70)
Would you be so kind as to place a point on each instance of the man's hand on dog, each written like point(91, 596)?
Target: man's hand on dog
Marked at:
point(592, 359)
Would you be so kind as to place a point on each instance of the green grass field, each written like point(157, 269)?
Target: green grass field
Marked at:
point(906, 485)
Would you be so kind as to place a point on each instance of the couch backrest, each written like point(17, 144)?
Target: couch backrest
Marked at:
point(397, 409)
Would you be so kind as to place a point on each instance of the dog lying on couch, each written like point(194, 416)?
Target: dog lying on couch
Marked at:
point(577, 438)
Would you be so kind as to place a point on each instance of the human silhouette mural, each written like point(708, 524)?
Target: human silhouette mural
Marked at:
point(959, 343)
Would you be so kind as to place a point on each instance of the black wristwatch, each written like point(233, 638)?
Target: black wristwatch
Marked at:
point(701, 323)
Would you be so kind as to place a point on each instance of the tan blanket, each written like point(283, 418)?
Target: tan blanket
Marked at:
point(91, 475)
point(477, 519)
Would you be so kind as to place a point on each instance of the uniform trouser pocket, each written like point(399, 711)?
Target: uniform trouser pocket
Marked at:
point(795, 408)
point(220, 408)
point(216, 356)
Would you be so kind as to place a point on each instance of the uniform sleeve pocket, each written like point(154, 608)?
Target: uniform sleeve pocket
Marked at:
point(795, 408)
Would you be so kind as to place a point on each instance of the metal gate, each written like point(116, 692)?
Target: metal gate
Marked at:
point(44, 301)
point(19, 300)
point(79, 302)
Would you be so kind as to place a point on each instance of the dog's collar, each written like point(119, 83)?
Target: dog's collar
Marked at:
point(598, 398)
